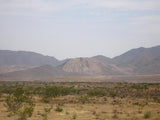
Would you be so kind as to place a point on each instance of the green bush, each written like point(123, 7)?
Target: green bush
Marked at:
point(25, 112)
point(147, 115)
point(74, 116)
point(157, 100)
point(20, 104)
point(46, 111)
point(56, 91)
point(112, 94)
point(96, 93)
point(83, 99)
point(139, 86)
point(58, 109)
point(46, 99)
point(141, 104)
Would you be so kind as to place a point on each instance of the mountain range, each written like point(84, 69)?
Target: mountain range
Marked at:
point(30, 65)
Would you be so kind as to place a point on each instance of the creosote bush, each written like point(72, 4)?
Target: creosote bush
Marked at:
point(46, 112)
point(96, 93)
point(74, 116)
point(58, 108)
point(147, 115)
point(112, 94)
point(20, 104)
point(83, 99)
point(56, 91)
point(49, 92)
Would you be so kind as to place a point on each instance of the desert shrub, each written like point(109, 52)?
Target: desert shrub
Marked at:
point(45, 117)
point(49, 92)
point(96, 93)
point(56, 91)
point(38, 90)
point(46, 99)
point(115, 116)
point(141, 104)
point(139, 86)
point(15, 100)
point(74, 116)
point(83, 99)
point(26, 112)
point(67, 113)
point(46, 111)
point(61, 104)
point(58, 108)
point(20, 104)
point(75, 91)
point(147, 115)
point(112, 94)
point(156, 99)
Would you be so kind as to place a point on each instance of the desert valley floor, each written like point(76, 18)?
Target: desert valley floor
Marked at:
point(37, 100)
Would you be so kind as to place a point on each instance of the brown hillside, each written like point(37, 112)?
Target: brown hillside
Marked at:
point(90, 66)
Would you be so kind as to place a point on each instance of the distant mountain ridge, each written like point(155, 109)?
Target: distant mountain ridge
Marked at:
point(140, 61)
point(104, 59)
point(11, 61)
point(42, 72)
point(8, 57)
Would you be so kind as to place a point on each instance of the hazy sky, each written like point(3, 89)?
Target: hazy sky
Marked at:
point(78, 28)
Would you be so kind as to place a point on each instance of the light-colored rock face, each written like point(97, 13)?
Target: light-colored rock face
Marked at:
point(83, 66)
point(89, 66)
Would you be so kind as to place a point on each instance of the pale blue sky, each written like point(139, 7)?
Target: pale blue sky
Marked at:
point(79, 28)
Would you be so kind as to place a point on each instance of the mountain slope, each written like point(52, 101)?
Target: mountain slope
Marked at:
point(103, 59)
point(151, 67)
point(42, 72)
point(73, 67)
point(141, 60)
point(12, 68)
point(90, 66)
point(26, 58)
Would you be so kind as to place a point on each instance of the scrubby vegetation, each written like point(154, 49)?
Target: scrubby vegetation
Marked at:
point(147, 115)
point(19, 103)
point(96, 93)
point(20, 100)
point(46, 112)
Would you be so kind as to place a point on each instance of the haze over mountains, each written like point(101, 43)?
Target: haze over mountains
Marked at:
point(8, 57)
point(30, 65)
point(141, 60)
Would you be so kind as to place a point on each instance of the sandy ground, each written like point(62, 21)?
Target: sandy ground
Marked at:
point(105, 109)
